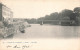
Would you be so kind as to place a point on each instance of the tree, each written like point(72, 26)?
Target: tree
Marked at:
point(77, 14)
point(47, 17)
point(54, 16)
point(66, 12)
point(73, 16)
point(77, 10)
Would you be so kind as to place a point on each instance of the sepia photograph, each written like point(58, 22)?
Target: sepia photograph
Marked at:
point(39, 24)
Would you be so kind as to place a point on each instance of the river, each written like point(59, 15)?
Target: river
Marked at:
point(49, 31)
point(45, 37)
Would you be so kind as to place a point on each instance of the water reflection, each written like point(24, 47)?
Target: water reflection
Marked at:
point(61, 31)
point(50, 31)
point(69, 31)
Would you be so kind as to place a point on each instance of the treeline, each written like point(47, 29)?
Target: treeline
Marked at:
point(65, 14)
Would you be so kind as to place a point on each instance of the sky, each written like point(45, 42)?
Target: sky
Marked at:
point(38, 8)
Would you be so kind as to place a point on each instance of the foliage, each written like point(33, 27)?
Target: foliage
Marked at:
point(65, 14)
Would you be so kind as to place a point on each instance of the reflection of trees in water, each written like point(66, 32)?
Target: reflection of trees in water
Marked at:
point(70, 31)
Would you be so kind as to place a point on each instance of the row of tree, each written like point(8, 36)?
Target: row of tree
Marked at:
point(65, 14)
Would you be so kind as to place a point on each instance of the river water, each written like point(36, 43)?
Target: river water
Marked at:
point(50, 31)
point(45, 37)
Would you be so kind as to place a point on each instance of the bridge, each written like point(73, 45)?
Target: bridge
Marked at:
point(59, 22)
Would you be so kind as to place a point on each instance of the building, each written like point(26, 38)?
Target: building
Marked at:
point(5, 13)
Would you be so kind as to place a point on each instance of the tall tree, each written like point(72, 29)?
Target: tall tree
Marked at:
point(54, 16)
point(77, 11)
point(67, 14)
